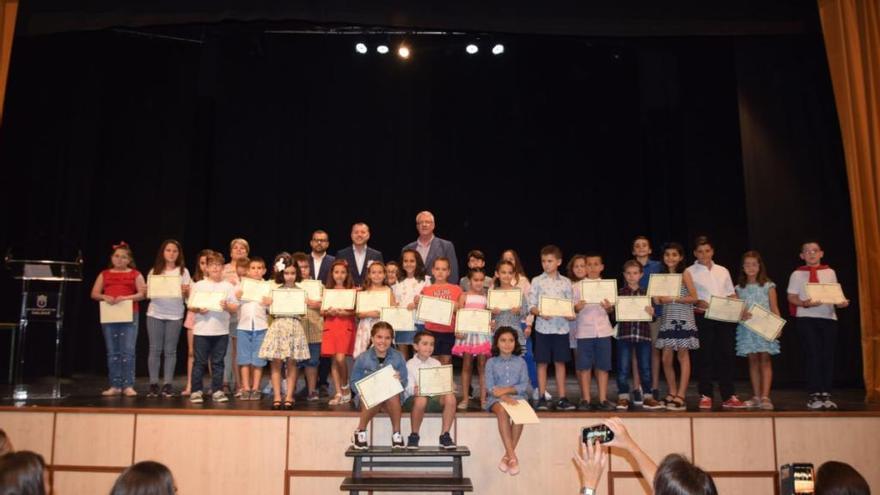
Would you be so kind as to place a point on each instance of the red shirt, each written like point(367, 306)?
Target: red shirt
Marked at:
point(121, 283)
point(443, 291)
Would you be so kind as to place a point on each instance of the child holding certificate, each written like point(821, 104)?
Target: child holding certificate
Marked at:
point(405, 291)
point(634, 339)
point(190, 321)
point(165, 316)
point(120, 282)
point(423, 344)
point(211, 332)
point(253, 322)
point(504, 280)
point(678, 329)
point(374, 282)
point(313, 325)
point(754, 287)
point(441, 288)
point(470, 344)
point(816, 324)
point(379, 355)
point(285, 340)
point(507, 380)
point(338, 339)
point(521, 281)
point(592, 330)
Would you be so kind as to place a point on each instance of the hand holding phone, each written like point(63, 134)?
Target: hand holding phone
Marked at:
point(597, 433)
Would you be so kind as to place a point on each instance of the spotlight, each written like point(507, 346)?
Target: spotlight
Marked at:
point(383, 49)
point(498, 49)
point(360, 48)
point(471, 49)
point(403, 52)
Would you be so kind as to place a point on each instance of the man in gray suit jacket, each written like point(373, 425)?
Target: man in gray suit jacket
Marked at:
point(431, 247)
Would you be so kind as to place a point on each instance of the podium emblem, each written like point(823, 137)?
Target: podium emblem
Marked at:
point(42, 300)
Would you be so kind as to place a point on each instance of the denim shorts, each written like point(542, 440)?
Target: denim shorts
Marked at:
point(594, 353)
point(314, 357)
point(248, 347)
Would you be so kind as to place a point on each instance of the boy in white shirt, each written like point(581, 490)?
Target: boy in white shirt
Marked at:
point(251, 330)
point(423, 343)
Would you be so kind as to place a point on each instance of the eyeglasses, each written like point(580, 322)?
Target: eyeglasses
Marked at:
point(320, 240)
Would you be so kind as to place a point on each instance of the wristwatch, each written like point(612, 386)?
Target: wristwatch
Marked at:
point(587, 491)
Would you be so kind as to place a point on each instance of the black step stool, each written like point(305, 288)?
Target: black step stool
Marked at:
point(404, 481)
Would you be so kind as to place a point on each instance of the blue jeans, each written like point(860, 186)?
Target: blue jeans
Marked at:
point(213, 348)
point(529, 356)
point(120, 339)
point(625, 348)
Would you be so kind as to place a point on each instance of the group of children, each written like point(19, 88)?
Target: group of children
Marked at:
point(296, 343)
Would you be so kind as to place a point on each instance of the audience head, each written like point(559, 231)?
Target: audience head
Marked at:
point(145, 478)
point(678, 476)
point(23, 473)
point(839, 478)
point(5, 443)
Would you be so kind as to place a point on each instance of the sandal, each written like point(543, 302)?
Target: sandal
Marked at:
point(276, 405)
point(336, 400)
point(111, 392)
point(288, 405)
point(677, 404)
point(502, 466)
point(513, 467)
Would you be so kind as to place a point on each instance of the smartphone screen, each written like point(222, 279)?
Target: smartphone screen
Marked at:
point(600, 433)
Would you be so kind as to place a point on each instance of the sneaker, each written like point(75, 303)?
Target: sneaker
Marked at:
point(652, 404)
point(154, 390)
point(766, 405)
point(446, 441)
point(313, 396)
point(622, 404)
point(606, 406)
point(815, 402)
point(219, 396)
point(359, 440)
point(397, 440)
point(243, 395)
point(256, 395)
point(535, 395)
point(542, 405)
point(167, 391)
point(563, 404)
point(638, 397)
point(548, 396)
point(705, 402)
point(584, 405)
point(196, 397)
point(733, 402)
point(463, 405)
point(412, 442)
point(827, 403)
point(753, 403)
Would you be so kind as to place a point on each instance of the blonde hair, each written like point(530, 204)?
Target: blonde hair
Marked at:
point(239, 240)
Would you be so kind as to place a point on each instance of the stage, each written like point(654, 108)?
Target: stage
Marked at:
point(88, 440)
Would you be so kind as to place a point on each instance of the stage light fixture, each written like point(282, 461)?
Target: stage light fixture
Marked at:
point(403, 52)
point(383, 49)
point(360, 48)
point(498, 49)
point(471, 49)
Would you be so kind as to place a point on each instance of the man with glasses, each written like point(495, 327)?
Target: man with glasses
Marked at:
point(319, 260)
point(432, 247)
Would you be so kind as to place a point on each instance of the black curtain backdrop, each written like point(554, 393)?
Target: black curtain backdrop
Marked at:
point(581, 142)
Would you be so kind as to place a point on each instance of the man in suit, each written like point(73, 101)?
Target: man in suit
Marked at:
point(431, 247)
point(319, 260)
point(359, 256)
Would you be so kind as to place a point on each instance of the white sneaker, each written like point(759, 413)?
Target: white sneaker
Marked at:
point(827, 403)
point(219, 396)
point(535, 395)
point(547, 396)
point(196, 397)
point(359, 440)
point(815, 402)
point(397, 440)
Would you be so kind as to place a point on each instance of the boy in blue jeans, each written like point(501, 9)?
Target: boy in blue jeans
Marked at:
point(634, 338)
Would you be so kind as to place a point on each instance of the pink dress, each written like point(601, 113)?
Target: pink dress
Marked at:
point(475, 344)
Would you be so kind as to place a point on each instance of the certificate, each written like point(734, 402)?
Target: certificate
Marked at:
point(254, 290)
point(473, 321)
point(164, 287)
point(554, 306)
point(435, 310)
point(764, 323)
point(121, 312)
point(314, 288)
point(435, 381)
point(725, 309)
point(288, 302)
point(505, 299)
point(632, 308)
point(378, 387)
point(338, 299)
point(596, 291)
point(521, 413)
point(400, 319)
point(664, 284)
point(206, 300)
point(825, 293)
point(373, 300)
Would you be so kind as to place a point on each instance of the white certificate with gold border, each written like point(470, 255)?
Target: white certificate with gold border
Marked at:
point(598, 290)
point(314, 288)
point(338, 299)
point(555, 307)
point(120, 312)
point(521, 413)
point(469, 320)
point(435, 381)
point(504, 299)
point(400, 319)
point(725, 309)
point(825, 293)
point(164, 287)
point(255, 290)
point(209, 300)
point(664, 284)
point(764, 323)
point(632, 308)
point(435, 310)
point(378, 387)
point(373, 300)
point(288, 302)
